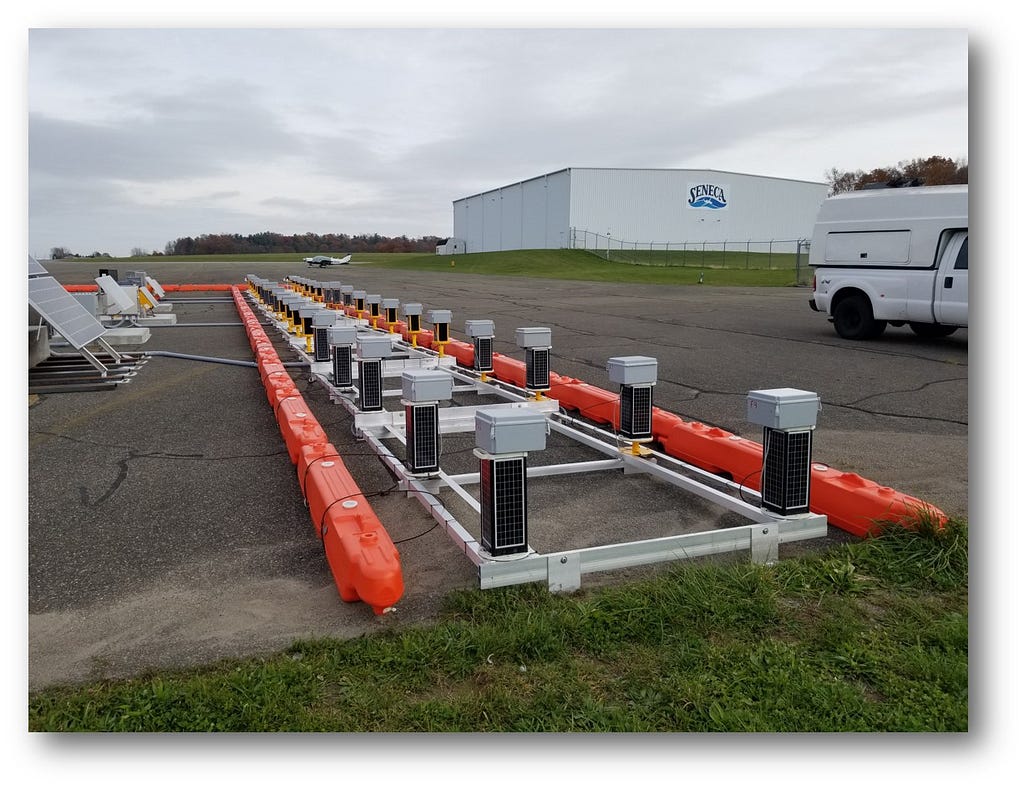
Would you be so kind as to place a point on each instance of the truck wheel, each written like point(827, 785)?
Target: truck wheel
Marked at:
point(932, 330)
point(853, 319)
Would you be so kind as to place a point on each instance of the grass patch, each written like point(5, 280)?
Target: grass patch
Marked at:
point(871, 636)
point(686, 268)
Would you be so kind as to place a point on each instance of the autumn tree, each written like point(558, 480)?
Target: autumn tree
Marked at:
point(933, 171)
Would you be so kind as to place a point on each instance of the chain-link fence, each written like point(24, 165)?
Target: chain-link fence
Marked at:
point(771, 255)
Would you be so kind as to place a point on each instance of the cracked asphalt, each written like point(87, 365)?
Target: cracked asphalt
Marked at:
point(167, 529)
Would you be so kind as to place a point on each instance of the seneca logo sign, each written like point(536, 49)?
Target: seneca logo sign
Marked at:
point(707, 195)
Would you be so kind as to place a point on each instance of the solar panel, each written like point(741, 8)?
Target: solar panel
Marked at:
point(321, 347)
point(371, 391)
point(483, 354)
point(343, 366)
point(421, 438)
point(537, 369)
point(786, 477)
point(116, 293)
point(635, 411)
point(62, 311)
point(503, 505)
point(35, 268)
point(155, 287)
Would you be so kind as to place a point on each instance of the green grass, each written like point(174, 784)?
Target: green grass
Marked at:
point(576, 264)
point(871, 636)
point(734, 269)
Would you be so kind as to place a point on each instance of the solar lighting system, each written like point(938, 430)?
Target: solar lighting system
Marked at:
point(536, 341)
point(341, 340)
point(390, 306)
point(290, 312)
point(332, 295)
point(155, 287)
point(346, 295)
point(482, 332)
point(412, 314)
point(422, 390)
point(306, 313)
point(359, 301)
point(504, 435)
point(323, 319)
point(114, 299)
point(441, 320)
point(373, 302)
point(636, 376)
point(788, 417)
point(371, 350)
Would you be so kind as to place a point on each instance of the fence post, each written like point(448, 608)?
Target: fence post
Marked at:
point(771, 245)
point(748, 254)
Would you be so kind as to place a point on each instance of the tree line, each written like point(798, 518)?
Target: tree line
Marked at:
point(276, 243)
point(933, 171)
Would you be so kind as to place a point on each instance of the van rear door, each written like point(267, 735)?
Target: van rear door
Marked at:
point(951, 283)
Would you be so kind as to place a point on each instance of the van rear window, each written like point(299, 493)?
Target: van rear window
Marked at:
point(889, 247)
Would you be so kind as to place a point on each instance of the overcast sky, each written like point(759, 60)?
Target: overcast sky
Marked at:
point(141, 136)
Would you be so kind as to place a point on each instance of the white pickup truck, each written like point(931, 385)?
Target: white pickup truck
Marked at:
point(893, 256)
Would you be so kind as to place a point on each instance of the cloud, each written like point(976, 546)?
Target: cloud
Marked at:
point(353, 130)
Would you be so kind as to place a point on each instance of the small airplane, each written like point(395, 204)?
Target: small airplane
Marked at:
point(323, 260)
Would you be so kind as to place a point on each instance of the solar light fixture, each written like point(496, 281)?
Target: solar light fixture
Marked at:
point(323, 319)
point(788, 417)
point(482, 332)
point(359, 301)
point(341, 340)
point(636, 376)
point(441, 320)
point(306, 312)
point(504, 436)
point(536, 341)
point(373, 304)
point(371, 350)
point(422, 390)
point(390, 307)
point(412, 314)
point(346, 295)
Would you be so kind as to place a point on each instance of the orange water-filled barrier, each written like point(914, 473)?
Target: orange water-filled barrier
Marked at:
point(363, 559)
point(850, 502)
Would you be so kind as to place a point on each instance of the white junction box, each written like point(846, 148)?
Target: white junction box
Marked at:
point(440, 316)
point(783, 409)
point(373, 346)
point(426, 385)
point(342, 335)
point(480, 328)
point(533, 337)
point(324, 318)
point(633, 370)
point(510, 430)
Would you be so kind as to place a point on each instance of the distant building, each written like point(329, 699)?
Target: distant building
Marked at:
point(451, 246)
point(571, 208)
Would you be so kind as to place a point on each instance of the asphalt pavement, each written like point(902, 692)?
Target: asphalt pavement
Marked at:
point(166, 524)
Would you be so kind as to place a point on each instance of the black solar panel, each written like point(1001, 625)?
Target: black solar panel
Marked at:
point(321, 346)
point(483, 354)
point(635, 411)
point(421, 438)
point(537, 370)
point(343, 366)
point(503, 506)
point(786, 474)
point(371, 394)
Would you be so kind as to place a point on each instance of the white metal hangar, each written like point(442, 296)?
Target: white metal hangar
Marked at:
point(582, 207)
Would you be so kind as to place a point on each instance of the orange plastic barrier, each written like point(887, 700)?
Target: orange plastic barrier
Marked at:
point(363, 559)
point(191, 288)
point(850, 502)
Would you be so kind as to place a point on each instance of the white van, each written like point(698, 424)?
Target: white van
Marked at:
point(892, 256)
